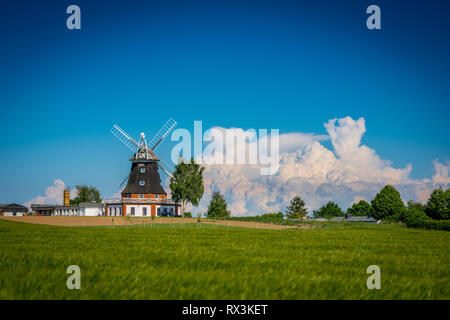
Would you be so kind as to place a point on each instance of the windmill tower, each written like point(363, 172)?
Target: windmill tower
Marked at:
point(143, 194)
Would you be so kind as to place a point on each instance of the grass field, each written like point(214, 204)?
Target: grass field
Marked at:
point(219, 262)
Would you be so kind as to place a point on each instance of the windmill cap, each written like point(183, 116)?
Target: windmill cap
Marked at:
point(144, 155)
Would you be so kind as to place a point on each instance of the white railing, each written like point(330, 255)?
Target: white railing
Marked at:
point(138, 200)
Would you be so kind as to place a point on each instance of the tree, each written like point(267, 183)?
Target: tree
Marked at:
point(296, 208)
point(330, 209)
point(217, 207)
point(413, 210)
point(86, 194)
point(186, 184)
point(188, 215)
point(388, 204)
point(362, 208)
point(438, 205)
point(415, 206)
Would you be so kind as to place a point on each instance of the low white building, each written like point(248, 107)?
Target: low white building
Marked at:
point(84, 209)
point(65, 211)
point(89, 209)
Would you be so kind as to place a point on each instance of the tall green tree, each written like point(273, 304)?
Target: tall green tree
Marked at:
point(186, 184)
point(86, 194)
point(217, 207)
point(388, 204)
point(362, 208)
point(296, 208)
point(438, 206)
point(329, 210)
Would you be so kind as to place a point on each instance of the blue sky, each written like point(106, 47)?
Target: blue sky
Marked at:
point(259, 64)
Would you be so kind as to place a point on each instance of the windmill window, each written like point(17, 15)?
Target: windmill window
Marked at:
point(141, 196)
point(142, 182)
point(157, 196)
point(144, 211)
point(132, 211)
point(142, 170)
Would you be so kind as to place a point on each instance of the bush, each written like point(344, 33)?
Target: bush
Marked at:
point(269, 216)
point(274, 218)
point(266, 217)
point(411, 208)
point(418, 219)
point(415, 218)
point(188, 215)
point(387, 204)
point(432, 224)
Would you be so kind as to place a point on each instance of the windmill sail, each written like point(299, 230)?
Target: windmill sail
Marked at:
point(167, 166)
point(162, 133)
point(165, 170)
point(123, 182)
point(124, 138)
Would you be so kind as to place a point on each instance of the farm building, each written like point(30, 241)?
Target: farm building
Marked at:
point(89, 209)
point(84, 209)
point(12, 209)
point(350, 218)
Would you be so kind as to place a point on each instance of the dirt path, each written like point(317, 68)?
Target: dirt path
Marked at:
point(120, 221)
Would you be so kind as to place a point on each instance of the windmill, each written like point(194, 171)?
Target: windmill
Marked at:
point(144, 177)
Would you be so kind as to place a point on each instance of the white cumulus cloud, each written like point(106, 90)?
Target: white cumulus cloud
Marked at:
point(441, 178)
point(348, 172)
point(53, 194)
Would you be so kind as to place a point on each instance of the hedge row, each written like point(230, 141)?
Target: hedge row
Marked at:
point(418, 219)
point(276, 218)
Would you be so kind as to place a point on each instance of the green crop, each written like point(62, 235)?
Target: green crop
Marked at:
point(199, 261)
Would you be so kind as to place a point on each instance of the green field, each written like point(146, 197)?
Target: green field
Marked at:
point(191, 262)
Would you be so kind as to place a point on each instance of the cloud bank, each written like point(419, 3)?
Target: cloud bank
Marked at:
point(347, 173)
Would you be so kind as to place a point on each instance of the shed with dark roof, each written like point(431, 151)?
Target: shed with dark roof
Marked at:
point(350, 218)
point(12, 209)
